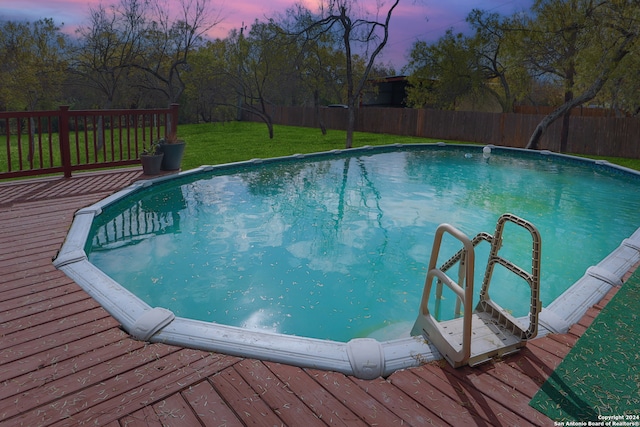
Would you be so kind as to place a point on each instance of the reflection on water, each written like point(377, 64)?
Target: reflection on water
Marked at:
point(337, 247)
point(131, 221)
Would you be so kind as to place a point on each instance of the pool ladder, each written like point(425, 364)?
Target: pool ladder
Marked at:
point(489, 330)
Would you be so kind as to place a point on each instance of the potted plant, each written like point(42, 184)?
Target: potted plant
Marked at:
point(173, 149)
point(151, 159)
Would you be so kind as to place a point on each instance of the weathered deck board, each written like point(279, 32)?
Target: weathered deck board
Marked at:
point(65, 361)
point(326, 407)
point(248, 405)
point(289, 408)
point(434, 394)
point(361, 403)
point(37, 369)
point(398, 402)
point(209, 406)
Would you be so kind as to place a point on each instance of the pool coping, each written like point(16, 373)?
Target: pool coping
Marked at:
point(364, 358)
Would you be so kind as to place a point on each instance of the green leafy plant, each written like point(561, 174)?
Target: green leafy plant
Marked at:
point(170, 139)
point(153, 149)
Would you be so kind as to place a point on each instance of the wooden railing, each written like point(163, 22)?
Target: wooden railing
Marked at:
point(64, 140)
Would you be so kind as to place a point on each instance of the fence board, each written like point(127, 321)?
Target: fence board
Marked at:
point(588, 134)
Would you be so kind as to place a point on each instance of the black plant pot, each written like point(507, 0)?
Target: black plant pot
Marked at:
point(151, 163)
point(172, 155)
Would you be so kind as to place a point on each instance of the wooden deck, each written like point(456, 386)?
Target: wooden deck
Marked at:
point(65, 361)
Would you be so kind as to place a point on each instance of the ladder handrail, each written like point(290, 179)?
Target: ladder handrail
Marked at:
point(495, 331)
point(463, 290)
point(532, 278)
point(458, 257)
point(480, 237)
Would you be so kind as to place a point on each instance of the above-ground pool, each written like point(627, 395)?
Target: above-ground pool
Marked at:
point(320, 260)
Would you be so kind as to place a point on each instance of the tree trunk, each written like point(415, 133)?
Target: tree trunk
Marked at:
point(100, 126)
point(564, 109)
point(351, 123)
point(316, 102)
point(587, 96)
point(570, 77)
point(564, 132)
point(323, 126)
point(266, 118)
point(270, 127)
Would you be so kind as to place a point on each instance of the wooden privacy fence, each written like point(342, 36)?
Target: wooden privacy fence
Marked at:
point(63, 141)
point(604, 136)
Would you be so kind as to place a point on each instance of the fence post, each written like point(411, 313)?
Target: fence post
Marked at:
point(173, 118)
point(63, 136)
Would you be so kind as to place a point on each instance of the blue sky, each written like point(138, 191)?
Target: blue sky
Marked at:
point(412, 20)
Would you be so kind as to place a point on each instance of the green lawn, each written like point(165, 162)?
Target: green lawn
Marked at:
point(627, 163)
point(217, 143)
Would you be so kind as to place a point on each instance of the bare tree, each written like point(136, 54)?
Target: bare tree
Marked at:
point(259, 68)
point(359, 36)
point(168, 41)
point(108, 46)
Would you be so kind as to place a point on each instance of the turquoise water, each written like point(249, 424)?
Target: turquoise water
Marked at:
point(336, 247)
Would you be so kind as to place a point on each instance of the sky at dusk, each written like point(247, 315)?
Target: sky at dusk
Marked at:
point(412, 20)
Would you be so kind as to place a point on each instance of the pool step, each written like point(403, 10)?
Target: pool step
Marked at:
point(489, 330)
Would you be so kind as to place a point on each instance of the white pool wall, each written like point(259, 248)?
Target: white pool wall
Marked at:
point(364, 358)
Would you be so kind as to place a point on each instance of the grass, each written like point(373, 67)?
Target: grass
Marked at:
point(217, 143)
point(621, 161)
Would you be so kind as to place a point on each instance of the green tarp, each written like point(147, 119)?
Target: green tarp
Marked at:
point(599, 380)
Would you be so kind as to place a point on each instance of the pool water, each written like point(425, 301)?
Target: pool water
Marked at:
point(336, 246)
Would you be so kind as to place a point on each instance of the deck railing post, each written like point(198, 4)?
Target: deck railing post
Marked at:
point(63, 136)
